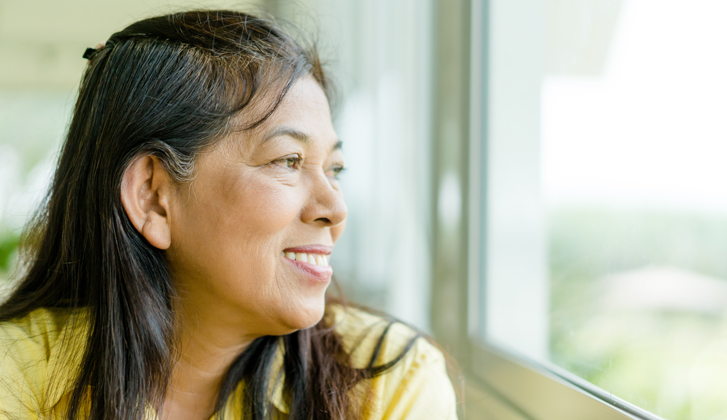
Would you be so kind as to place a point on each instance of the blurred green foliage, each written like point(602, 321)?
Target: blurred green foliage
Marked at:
point(645, 357)
point(8, 245)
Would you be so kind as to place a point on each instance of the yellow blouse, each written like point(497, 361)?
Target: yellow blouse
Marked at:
point(40, 353)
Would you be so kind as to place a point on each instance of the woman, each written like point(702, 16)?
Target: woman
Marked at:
point(179, 265)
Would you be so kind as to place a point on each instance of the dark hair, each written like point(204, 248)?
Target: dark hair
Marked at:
point(167, 86)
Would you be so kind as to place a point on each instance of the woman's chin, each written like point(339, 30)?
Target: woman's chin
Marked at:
point(306, 316)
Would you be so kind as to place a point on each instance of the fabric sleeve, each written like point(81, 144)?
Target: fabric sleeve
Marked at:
point(424, 391)
point(416, 387)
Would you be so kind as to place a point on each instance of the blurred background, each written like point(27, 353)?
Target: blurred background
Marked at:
point(544, 175)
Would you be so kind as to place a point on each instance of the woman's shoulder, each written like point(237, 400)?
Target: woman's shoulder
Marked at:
point(36, 356)
point(39, 326)
point(40, 332)
point(363, 332)
point(416, 386)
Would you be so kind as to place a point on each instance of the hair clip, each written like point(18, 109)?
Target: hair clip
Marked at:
point(88, 54)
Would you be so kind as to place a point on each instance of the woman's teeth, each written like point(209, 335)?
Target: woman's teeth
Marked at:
point(315, 259)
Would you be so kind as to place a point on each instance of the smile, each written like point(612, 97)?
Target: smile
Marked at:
point(315, 259)
point(311, 260)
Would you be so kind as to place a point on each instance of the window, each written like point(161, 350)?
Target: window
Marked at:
point(603, 218)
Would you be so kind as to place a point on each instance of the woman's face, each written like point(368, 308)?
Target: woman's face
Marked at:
point(262, 200)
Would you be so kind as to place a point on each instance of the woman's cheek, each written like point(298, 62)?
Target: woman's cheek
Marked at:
point(270, 208)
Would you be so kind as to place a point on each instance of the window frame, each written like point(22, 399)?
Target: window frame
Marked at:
point(500, 383)
point(538, 390)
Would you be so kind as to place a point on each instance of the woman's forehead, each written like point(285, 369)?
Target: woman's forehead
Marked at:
point(303, 115)
point(304, 104)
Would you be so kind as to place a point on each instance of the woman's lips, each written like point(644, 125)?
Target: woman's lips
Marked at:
point(311, 260)
point(315, 272)
point(311, 249)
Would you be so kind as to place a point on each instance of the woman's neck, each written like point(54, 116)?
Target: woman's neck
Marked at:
point(207, 348)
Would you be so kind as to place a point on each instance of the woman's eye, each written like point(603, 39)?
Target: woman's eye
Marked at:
point(290, 162)
point(335, 171)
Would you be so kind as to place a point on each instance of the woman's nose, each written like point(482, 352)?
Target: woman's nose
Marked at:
point(325, 205)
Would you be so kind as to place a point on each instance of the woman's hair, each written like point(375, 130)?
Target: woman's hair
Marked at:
point(168, 86)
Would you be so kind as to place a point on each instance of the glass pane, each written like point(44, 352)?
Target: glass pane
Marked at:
point(632, 208)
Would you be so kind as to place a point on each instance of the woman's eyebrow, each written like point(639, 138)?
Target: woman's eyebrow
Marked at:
point(291, 132)
point(298, 135)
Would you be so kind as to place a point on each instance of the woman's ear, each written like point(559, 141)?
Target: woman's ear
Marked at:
point(146, 190)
